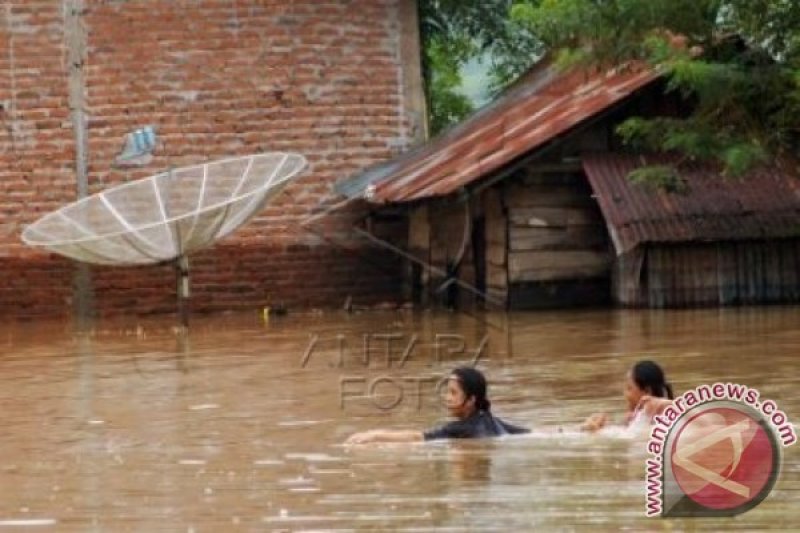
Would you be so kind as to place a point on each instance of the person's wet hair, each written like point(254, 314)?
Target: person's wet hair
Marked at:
point(648, 375)
point(473, 383)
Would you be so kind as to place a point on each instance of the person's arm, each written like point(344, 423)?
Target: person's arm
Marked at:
point(385, 435)
point(457, 429)
point(511, 429)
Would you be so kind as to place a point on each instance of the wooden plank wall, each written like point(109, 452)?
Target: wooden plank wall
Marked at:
point(556, 231)
point(419, 246)
point(436, 237)
point(496, 231)
point(694, 275)
point(544, 244)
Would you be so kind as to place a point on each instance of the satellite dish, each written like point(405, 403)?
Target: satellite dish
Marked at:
point(164, 217)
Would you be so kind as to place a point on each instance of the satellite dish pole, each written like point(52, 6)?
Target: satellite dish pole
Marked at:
point(138, 151)
point(182, 274)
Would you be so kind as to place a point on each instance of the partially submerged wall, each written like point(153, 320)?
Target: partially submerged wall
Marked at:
point(336, 81)
point(558, 249)
point(709, 274)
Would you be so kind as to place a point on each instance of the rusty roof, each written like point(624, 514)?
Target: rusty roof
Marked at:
point(544, 104)
point(763, 204)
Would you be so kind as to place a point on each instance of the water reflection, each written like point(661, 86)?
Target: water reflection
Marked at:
point(130, 427)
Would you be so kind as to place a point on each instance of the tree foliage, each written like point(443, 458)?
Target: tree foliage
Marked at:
point(455, 31)
point(444, 58)
point(737, 60)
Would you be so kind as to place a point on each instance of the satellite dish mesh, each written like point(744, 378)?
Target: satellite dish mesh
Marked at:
point(165, 216)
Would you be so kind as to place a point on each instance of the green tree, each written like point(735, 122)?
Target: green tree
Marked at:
point(456, 31)
point(444, 59)
point(738, 61)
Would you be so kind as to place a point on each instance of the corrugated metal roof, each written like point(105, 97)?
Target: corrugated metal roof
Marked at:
point(763, 204)
point(542, 106)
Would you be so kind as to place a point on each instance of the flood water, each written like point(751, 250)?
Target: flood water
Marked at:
point(240, 427)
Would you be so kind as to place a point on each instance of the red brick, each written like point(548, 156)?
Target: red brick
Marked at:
point(218, 79)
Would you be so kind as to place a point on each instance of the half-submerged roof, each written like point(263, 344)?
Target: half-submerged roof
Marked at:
point(546, 103)
point(764, 204)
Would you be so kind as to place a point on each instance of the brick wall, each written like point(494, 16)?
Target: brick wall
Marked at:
point(216, 78)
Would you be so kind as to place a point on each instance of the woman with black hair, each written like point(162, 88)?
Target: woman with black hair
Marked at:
point(646, 393)
point(467, 402)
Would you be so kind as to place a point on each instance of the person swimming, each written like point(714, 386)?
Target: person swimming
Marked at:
point(647, 393)
point(467, 402)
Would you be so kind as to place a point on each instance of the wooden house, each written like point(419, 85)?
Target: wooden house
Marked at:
point(527, 204)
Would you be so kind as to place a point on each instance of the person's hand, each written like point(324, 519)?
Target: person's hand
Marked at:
point(595, 422)
point(363, 437)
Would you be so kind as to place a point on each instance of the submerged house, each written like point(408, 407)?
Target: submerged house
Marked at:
point(527, 204)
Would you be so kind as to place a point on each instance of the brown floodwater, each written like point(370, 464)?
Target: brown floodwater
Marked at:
point(239, 427)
